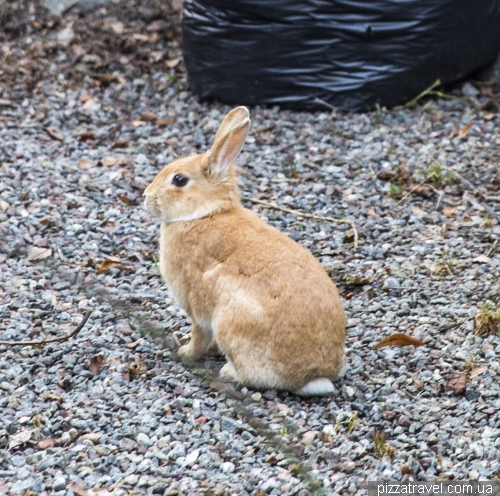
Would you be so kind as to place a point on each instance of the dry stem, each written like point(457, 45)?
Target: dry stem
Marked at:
point(308, 216)
point(65, 337)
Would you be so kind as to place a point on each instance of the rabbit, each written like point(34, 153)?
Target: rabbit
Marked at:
point(259, 296)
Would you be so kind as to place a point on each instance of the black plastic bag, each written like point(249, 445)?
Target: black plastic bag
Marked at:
point(351, 54)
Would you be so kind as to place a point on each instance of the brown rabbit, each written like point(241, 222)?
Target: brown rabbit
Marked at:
point(263, 299)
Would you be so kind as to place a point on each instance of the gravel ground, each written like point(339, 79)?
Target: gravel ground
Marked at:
point(112, 410)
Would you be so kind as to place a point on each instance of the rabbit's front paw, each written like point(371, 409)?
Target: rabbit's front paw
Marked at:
point(228, 372)
point(187, 351)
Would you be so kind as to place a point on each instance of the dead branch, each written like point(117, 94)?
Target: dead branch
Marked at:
point(64, 337)
point(308, 216)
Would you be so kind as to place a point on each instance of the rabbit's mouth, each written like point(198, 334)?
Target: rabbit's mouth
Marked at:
point(151, 205)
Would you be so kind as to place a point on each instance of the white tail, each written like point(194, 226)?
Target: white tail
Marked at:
point(316, 387)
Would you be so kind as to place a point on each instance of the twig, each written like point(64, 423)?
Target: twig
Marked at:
point(308, 216)
point(64, 337)
point(262, 129)
point(413, 189)
point(492, 199)
point(319, 100)
point(426, 92)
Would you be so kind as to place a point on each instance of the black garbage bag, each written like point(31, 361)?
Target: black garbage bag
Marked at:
point(351, 54)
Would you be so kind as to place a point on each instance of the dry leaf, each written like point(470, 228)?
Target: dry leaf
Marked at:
point(482, 259)
point(406, 470)
point(165, 122)
point(457, 383)
point(117, 27)
point(172, 63)
point(86, 137)
point(137, 368)
point(47, 443)
point(148, 117)
point(399, 339)
point(21, 438)
point(85, 98)
point(141, 37)
point(357, 280)
point(37, 253)
point(125, 199)
point(85, 164)
point(54, 133)
point(104, 79)
point(77, 489)
point(418, 383)
point(478, 371)
point(110, 161)
point(96, 363)
point(108, 264)
point(120, 144)
point(419, 211)
point(465, 130)
point(449, 211)
point(157, 25)
point(92, 436)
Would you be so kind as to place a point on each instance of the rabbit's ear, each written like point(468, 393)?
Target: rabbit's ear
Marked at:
point(232, 120)
point(227, 148)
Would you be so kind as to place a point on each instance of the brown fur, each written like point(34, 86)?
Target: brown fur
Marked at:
point(266, 301)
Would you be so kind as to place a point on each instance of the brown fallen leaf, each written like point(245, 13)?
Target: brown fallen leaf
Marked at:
point(110, 161)
point(465, 130)
point(85, 164)
point(37, 253)
point(54, 133)
point(85, 98)
point(104, 79)
point(137, 368)
point(420, 189)
point(148, 117)
point(357, 280)
point(96, 363)
point(449, 211)
point(457, 383)
point(165, 122)
point(399, 339)
point(418, 383)
point(108, 264)
point(120, 144)
point(125, 199)
point(47, 443)
point(86, 137)
point(406, 470)
point(77, 489)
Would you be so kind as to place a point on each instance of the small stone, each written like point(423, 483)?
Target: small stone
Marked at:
point(59, 484)
point(227, 467)
point(143, 439)
point(131, 480)
point(391, 283)
point(256, 397)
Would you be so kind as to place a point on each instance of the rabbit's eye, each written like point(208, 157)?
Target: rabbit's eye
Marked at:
point(179, 180)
